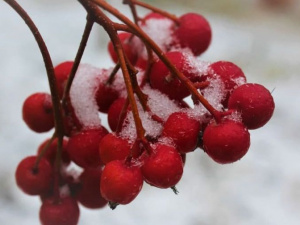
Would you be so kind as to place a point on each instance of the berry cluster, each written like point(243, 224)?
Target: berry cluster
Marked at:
point(162, 102)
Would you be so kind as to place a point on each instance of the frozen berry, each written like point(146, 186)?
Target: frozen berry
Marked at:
point(105, 96)
point(114, 113)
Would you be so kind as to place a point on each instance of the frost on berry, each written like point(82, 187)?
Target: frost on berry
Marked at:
point(37, 112)
point(227, 141)
point(121, 182)
point(254, 102)
point(34, 180)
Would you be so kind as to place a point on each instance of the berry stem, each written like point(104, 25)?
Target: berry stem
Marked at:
point(111, 77)
point(87, 31)
point(43, 151)
point(59, 130)
point(154, 9)
point(133, 10)
point(108, 26)
point(161, 55)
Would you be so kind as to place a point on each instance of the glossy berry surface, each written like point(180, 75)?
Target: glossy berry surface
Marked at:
point(37, 112)
point(227, 141)
point(120, 182)
point(63, 211)
point(31, 180)
point(83, 147)
point(114, 113)
point(254, 102)
point(163, 168)
point(194, 32)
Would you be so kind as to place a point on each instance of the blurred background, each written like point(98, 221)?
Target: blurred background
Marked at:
point(261, 36)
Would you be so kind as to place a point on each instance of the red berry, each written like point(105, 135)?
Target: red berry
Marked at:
point(64, 211)
point(50, 153)
point(255, 103)
point(183, 131)
point(83, 147)
point(164, 81)
point(194, 32)
point(127, 47)
point(38, 112)
point(114, 113)
point(231, 75)
point(113, 147)
point(227, 141)
point(31, 180)
point(105, 96)
point(62, 72)
point(121, 182)
point(163, 168)
point(89, 192)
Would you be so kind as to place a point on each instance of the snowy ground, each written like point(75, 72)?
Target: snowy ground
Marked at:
point(263, 188)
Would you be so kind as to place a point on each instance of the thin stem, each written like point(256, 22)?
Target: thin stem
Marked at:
point(107, 24)
point(44, 150)
point(133, 10)
point(59, 130)
point(157, 10)
point(113, 74)
point(161, 55)
point(87, 31)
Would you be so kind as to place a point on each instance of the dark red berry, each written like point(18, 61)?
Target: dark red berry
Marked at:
point(62, 72)
point(50, 153)
point(63, 211)
point(129, 50)
point(121, 182)
point(38, 112)
point(114, 113)
point(194, 32)
point(162, 79)
point(83, 147)
point(163, 168)
point(227, 141)
point(105, 96)
point(89, 192)
point(34, 180)
point(254, 102)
